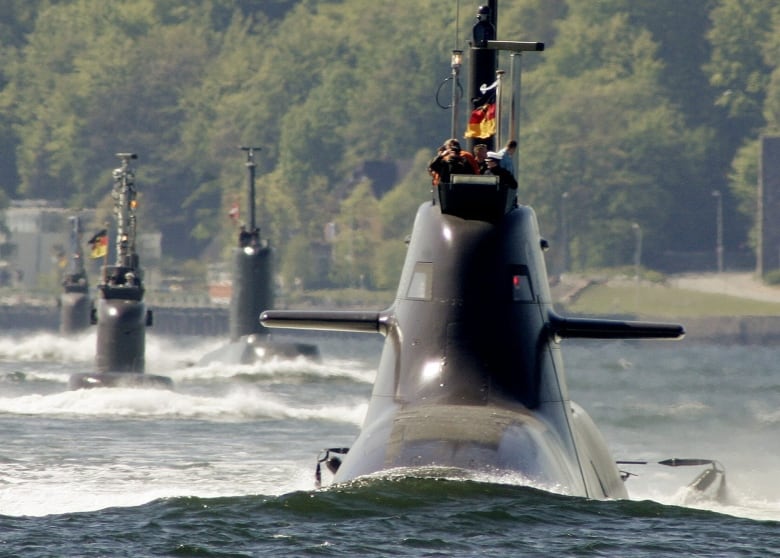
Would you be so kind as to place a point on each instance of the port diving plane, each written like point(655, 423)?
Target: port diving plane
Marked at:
point(471, 376)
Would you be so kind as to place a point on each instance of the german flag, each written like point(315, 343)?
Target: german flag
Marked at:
point(99, 244)
point(482, 123)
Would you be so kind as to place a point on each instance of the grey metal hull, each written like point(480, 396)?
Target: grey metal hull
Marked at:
point(121, 335)
point(257, 348)
point(74, 312)
point(89, 380)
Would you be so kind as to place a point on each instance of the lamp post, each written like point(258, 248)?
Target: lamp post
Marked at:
point(637, 262)
point(564, 234)
point(719, 228)
point(637, 249)
point(455, 63)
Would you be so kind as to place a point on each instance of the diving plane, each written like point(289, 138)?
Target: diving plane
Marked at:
point(471, 375)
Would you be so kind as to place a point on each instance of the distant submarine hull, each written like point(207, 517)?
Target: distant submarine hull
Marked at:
point(74, 312)
point(252, 348)
point(253, 293)
point(121, 347)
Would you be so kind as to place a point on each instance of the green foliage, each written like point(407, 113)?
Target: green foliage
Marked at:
point(736, 70)
point(642, 299)
point(357, 236)
point(296, 268)
point(398, 208)
point(388, 262)
point(744, 182)
point(772, 277)
point(636, 112)
point(608, 138)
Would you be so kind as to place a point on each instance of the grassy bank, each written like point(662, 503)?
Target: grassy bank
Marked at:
point(616, 297)
point(650, 299)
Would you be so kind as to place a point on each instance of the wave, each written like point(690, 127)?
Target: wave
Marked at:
point(400, 516)
point(47, 347)
point(239, 403)
point(161, 352)
point(299, 367)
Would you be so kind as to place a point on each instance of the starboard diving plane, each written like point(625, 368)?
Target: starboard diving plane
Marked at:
point(471, 375)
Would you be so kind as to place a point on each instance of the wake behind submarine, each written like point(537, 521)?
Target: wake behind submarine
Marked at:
point(471, 376)
point(120, 313)
point(253, 292)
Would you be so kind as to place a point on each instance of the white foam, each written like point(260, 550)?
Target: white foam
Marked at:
point(248, 402)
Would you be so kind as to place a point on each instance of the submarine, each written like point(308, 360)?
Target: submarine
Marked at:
point(119, 311)
point(74, 302)
point(253, 292)
point(471, 378)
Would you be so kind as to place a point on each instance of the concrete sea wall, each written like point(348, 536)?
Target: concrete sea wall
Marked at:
point(213, 321)
point(166, 320)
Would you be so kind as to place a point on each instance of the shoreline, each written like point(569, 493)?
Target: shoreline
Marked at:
point(17, 315)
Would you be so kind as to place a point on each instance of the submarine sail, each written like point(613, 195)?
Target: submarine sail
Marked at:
point(253, 292)
point(74, 301)
point(119, 312)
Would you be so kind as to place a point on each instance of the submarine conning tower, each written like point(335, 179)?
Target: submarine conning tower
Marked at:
point(253, 293)
point(120, 313)
point(252, 268)
point(74, 301)
point(478, 277)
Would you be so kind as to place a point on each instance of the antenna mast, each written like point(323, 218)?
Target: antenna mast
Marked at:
point(124, 210)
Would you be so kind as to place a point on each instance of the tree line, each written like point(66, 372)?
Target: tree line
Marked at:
point(636, 112)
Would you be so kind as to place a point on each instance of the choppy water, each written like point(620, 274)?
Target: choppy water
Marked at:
point(224, 464)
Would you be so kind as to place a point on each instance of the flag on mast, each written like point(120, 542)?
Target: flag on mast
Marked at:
point(99, 244)
point(482, 123)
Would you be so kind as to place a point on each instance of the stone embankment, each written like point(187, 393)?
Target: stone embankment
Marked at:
point(747, 330)
point(166, 320)
point(213, 321)
point(754, 330)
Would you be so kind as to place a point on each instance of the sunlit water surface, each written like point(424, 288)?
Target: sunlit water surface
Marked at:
point(224, 464)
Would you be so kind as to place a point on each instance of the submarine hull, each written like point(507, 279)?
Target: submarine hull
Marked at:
point(470, 375)
point(89, 380)
point(497, 441)
point(258, 347)
point(250, 341)
point(252, 290)
point(121, 335)
point(121, 339)
point(74, 312)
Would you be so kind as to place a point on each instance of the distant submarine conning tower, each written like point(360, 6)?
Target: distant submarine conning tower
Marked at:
point(252, 293)
point(253, 268)
point(74, 300)
point(120, 313)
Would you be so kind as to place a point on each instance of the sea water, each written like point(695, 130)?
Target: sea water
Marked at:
point(223, 465)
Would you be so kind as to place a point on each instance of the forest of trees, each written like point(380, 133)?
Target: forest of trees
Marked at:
point(634, 114)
